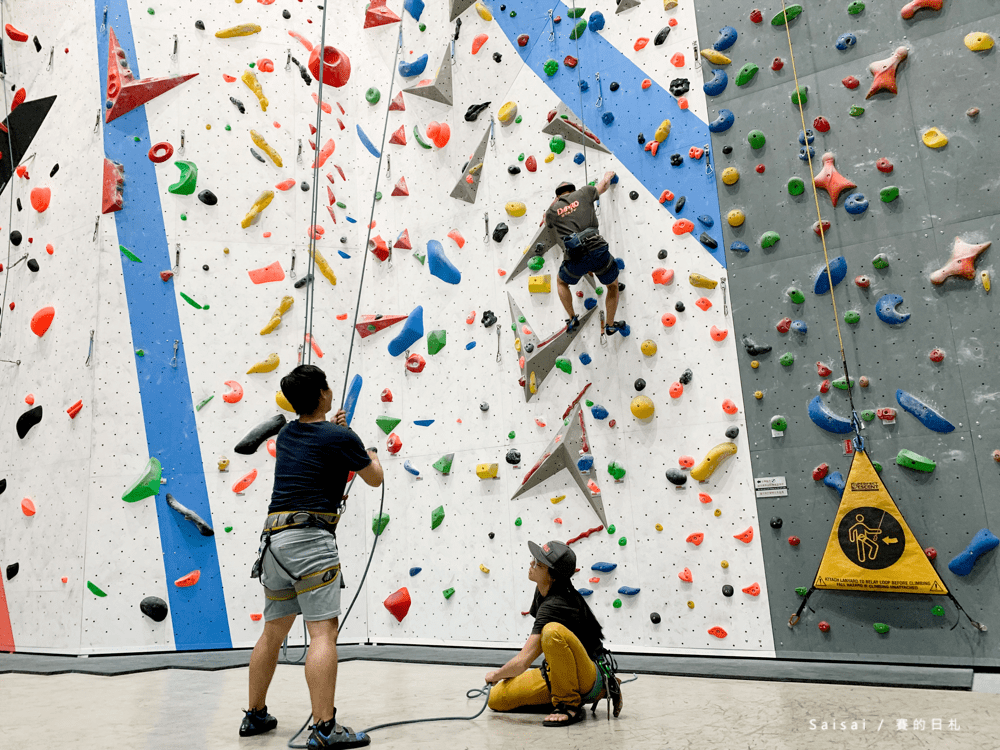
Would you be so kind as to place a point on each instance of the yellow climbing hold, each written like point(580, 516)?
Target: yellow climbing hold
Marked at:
point(243, 29)
point(662, 132)
point(507, 113)
point(725, 563)
point(669, 4)
point(557, 499)
point(659, 527)
point(642, 407)
point(736, 217)
point(484, 569)
point(266, 148)
point(718, 512)
point(540, 284)
point(323, 266)
point(253, 84)
point(266, 365)
point(703, 282)
point(283, 402)
point(730, 175)
point(713, 459)
point(979, 41)
point(515, 208)
point(532, 383)
point(262, 202)
point(483, 12)
point(985, 277)
point(549, 158)
point(275, 321)
point(223, 464)
point(934, 138)
point(648, 347)
point(714, 57)
point(758, 395)
point(755, 363)
point(487, 471)
point(225, 251)
point(690, 605)
point(517, 345)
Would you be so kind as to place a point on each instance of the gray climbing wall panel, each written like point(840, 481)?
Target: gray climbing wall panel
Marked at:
point(944, 193)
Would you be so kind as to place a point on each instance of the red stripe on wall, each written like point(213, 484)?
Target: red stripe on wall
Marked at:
point(6, 633)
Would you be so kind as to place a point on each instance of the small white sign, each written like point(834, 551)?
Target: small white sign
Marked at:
point(769, 482)
point(776, 492)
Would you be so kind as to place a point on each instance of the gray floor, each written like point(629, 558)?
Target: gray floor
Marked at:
point(183, 708)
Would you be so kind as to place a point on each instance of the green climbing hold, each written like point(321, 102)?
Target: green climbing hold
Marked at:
point(137, 139)
point(575, 12)
point(800, 95)
point(252, 65)
point(557, 144)
point(880, 261)
point(769, 238)
point(513, 14)
point(205, 401)
point(190, 301)
point(229, 127)
point(443, 464)
point(616, 470)
point(856, 111)
point(551, 67)
point(878, 466)
point(938, 611)
point(888, 194)
point(617, 603)
point(517, 521)
point(151, 11)
point(228, 529)
point(577, 32)
point(622, 542)
point(589, 403)
point(437, 516)
point(746, 74)
point(868, 415)
point(779, 424)
point(129, 254)
point(511, 435)
point(598, 290)
point(520, 157)
point(184, 217)
point(147, 485)
point(564, 364)
point(756, 139)
point(852, 316)
point(842, 384)
point(448, 593)
point(422, 26)
point(420, 257)
point(140, 353)
point(379, 523)
point(419, 140)
point(189, 178)
point(856, 7)
point(372, 95)
point(802, 590)
point(518, 119)
point(378, 195)
point(796, 296)
point(787, 359)
point(910, 460)
point(387, 424)
point(536, 263)
point(95, 590)
point(790, 13)
point(796, 186)
point(436, 341)
point(881, 627)
point(341, 204)
point(611, 529)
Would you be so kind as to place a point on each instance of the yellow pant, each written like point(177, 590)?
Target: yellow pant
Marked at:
point(572, 674)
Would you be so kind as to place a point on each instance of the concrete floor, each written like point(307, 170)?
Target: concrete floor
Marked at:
point(195, 710)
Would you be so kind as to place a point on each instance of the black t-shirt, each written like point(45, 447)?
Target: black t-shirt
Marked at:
point(313, 461)
point(573, 212)
point(557, 607)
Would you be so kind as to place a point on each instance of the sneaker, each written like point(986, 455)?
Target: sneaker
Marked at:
point(257, 722)
point(332, 734)
point(572, 323)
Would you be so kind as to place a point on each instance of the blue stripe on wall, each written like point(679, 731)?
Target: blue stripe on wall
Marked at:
point(198, 613)
point(635, 110)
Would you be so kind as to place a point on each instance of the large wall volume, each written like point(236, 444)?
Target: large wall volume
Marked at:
point(171, 353)
point(944, 192)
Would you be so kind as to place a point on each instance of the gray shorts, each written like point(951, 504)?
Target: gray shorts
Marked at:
point(311, 556)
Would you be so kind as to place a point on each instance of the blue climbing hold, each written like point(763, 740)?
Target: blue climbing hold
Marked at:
point(740, 247)
point(351, 402)
point(806, 153)
point(886, 310)
point(350, 220)
point(608, 117)
point(626, 332)
point(585, 359)
point(717, 84)
point(628, 591)
point(366, 142)
point(596, 22)
point(414, 67)
point(856, 204)
point(825, 419)
point(838, 272)
point(585, 463)
point(614, 180)
point(806, 136)
point(727, 38)
point(412, 469)
point(620, 262)
point(927, 416)
point(578, 157)
point(799, 326)
point(470, 345)
point(585, 592)
point(603, 567)
point(414, 571)
point(590, 303)
point(846, 41)
point(723, 122)
point(981, 543)
point(410, 333)
point(706, 220)
point(584, 86)
point(835, 480)
point(439, 265)
point(599, 412)
point(423, 422)
point(414, 8)
point(343, 255)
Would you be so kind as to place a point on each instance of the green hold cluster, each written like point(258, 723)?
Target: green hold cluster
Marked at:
point(437, 517)
point(787, 359)
point(756, 139)
point(373, 95)
point(379, 523)
point(536, 263)
point(852, 316)
point(779, 424)
point(551, 67)
point(616, 470)
point(564, 364)
point(557, 144)
point(796, 186)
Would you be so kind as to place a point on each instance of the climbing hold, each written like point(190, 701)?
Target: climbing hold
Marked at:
point(983, 541)
point(713, 459)
point(188, 179)
point(856, 203)
point(850, 82)
point(800, 95)
point(888, 194)
point(934, 138)
point(399, 602)
point(831, 180)
point(769, 239)
point(753, 348)
point(962, 261)
point(148, 483)
point(907, 12)
point(825, 419)
point(717, 84)
point(790, 13)
point(436, 341)
point(837, 273)
point(978, 41)
point(723, 122)
point(256, 437)
point(756, 139)
point(910, 460)
point(717, 58)
point(746, 74)
point(928, 417)
point(886, 310)
point(885, 72)
point(821, 124)
point(444, 463)
point(846, 41)
point(439, 265)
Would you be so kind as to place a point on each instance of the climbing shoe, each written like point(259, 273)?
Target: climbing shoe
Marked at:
point(332, 734)
point(257, 722)
point(572, 323)
point(615, 327)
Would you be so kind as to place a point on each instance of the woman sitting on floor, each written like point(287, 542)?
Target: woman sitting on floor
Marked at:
point(571, 638)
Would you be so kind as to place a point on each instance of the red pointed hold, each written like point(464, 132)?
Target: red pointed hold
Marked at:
point(685, 575)
point(399, 136)
point(400, 188)
point(370, 324)
point(823, 369)
point(18, 99)
point(403, 241)
point(717, 632)
point(17, 36)
point(746, 537)
point(273, 272)
point(41, 320)
point(123, 91)
point(114, 182)
point(379, 247)
point(907, 12)
point(189, 580)
point(398, 604)
point(75, 409)
point(397, 104)
point(962, 261)
point(696, 538)
point(40, 198)
point(821, 471)
point(379, 15)
point(753, 589)
point(324, 153)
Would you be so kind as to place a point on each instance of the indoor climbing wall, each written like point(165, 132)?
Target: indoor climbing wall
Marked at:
point(901, 136)
point(439, 146)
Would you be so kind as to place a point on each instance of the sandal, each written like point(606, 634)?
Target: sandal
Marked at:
point(574, 714)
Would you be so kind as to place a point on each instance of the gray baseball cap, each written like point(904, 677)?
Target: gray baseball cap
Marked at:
point(564, 187)
point(556, 556)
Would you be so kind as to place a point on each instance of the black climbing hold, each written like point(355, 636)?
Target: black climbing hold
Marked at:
point(708, 241)
point(483, 406)
point(474, 111)
point(676, 476)
point(207, 197)
point(776, 523)
point(458, 27)
point(679, 307)
point(641, 138)
point(503, 8)
point(733, 432)
point(200, 25)
point(661, 36)
point(488, 318)
point(32, 265)
point(499, 232)
point(286, 15)
point(343, 240)
point(662, 254)
point(15, 238)
point(676, 160)
point(203, 528)
point(513, 169)
point(3, 485)
point(12, 570)
point(253, 439)
point(727, 149)
point(529, 348)
point(680, 86)
point(305, 186)
point(204, 267)
point(614, 86)
point(621, 287)
point(153, 606)
point(38, 44)
point(634, 195)
point(257, 156)
point(753, 348)
point(303, 281)
point(727, 590)
point(465, 166)
point(539, 249)
point(654, 617)
point(54, 170)
point(640, 384)
point(686, 377)
point(239, 105)
point(28, 420)
point(679, 204)
point(19, 206)
point(513, 457)
point(492, 535)
point(497, 57)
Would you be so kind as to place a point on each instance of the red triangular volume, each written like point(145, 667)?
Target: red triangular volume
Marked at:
point(398, 604)
point(401, 188)
point(379, 247)
point(370, 324)
point(399, 137)
point(397, 105)
point(124, 92)
point(403, 241)
point(379, 15)
point(114, 182)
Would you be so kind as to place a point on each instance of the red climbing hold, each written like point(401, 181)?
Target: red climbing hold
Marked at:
point(397, 105)
point(784, 325)
point(652, 147)
point(677, 60)
point(832, 181)
point(685, 462)
point(962, 262)
point(704, 497)
point(478, 42)
point(126, 93)
point(824, 387)
point(114, 182)
point(821, 471)
point(666, 196)
point(704, 303)
point(746, 537)
point(41, 320)
point(729, 406)
point(400, 188)
point(816, 227)
point(685, 575)
point(439, 132)
point(160, 152)
point(189, 580)
point(19, 99)
point(17, 36)
point(850, 82)
point(937, 355)
point(399, 136)
point(272, 448)
point(386, 396)
point(27, 507)
point(676, 390)
point(241, 484)
point(336, 64)
point(753, 589)
point(393, 444)
point(379, 248)
point(75, 409)
point(760, 168)
point(717, 632)
point(531, 164)
point(403, 241)
point(166, 275)
point(457, 236)
point(886, 414)
point(821, 124)
point(40, 198)
point(379, 15)
point(669, 320)
point(823, 369)
point(756, 16)
point(570, 62)
point(263, 275)
point(646, 83)
point(794, 541)
point(862, 282)
point(777, 64)
point(718, 334)
point(398, 604)
point(683, 226)
point(696, 153)
point(696, 538)
point(415, 363)
point(907, 12)
point(884, 165)
point(265, 65)
point(640, 43)
point(285, 185)
point(824, 626)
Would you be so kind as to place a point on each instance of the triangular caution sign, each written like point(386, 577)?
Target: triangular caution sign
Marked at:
point(870, 547)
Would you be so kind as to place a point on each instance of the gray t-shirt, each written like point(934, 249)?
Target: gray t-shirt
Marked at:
point(573, 212)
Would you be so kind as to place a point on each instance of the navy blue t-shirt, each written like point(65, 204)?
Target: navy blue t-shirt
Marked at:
point(313, 461)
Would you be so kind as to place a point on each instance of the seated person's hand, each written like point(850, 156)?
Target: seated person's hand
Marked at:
point(491, 677)
point(340, 418)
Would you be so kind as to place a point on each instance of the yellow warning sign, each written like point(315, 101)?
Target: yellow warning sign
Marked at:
point(870, 547)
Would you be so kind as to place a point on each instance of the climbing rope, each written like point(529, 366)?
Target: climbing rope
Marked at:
point(11, 183)
point(855, 420)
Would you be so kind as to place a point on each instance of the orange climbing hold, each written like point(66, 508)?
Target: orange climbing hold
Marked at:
point(439, 133)
point(242, 484)
point(457, 236)
point(685, 462)
point(75, 409)
point(263, 275)
point(663, 276)
point(28, 507)
point(640, 43)
point(753, 589)
point(666, 196)
point(189, 580)
point(228, 78)
point(478, 42)
point(719, 334)
point(685, 575)
point(472, 318)
point(677, 60)
point(285, 185)
point(729, 406)
point(265, 65)
point(746, 537)
point(717, 632)
point(676, 391)
point(646, 83)
point(683, 226)
point(235, 393)
point(256, 616)
point(40, 198)
point(704, 497)
point(696, 538)
point(17, 36)
point(41, 320)
point(378, 247)
point(703, 302)
point(669, 320)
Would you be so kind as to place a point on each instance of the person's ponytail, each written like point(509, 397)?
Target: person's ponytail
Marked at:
point(588, 617)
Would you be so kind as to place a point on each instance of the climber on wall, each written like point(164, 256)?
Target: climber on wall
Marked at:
point(299, 564)
point(573, 221)
point(575, 670)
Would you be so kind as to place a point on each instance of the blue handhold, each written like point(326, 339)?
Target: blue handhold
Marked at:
point(585, 592)
point(411, 468)
point(707, 220)
point(740, 247)
point(596, 22)
point(614, 180)
point(723, 122)
point(927, 416)
point(806, 153)
point(584, 86)
point(799, 326)
point(414, 571)
point(628, 591)
point(886, 310)
point(343, 255)
point(626, 332)
point(599, 412)
point(620, 262)
point(423, 422)
point(603, 567)
point(806, 136)
point(825, 419)
point(835, 480)
point(366, 142)
point(846, 41)
point(727, 38)
point(590, 303)
point(981, 543)
point(410, 333)
point(607, 118)
point(414, 8)
point(585, 463)
point(351, 402)
point(585, 359)
point(414, 67)
point(717, 84)
point(856, 204)
point(351, 220)
point(439, 265)
point(470, 345)
point(838, 272)
point(578, 157)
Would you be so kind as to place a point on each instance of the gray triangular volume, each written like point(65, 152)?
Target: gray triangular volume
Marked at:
point(520, 322)
point(440, 89)
point(562, 453)
point(560, 125)
point(544, 237)
point(465, 190)
point(458, 7)
point(626, 4)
